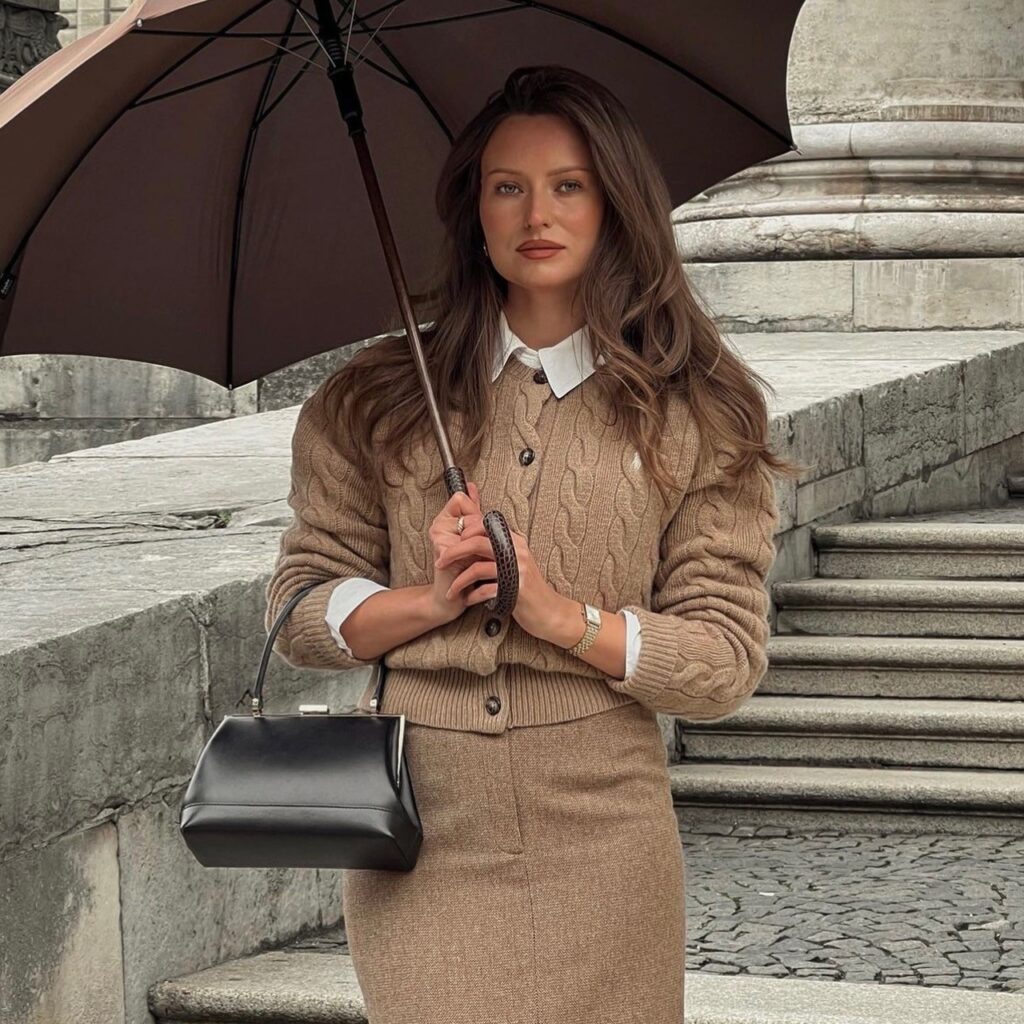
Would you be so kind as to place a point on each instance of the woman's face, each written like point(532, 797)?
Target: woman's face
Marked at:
point(537, 182)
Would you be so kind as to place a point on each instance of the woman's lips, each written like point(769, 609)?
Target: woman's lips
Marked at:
point(538, 254)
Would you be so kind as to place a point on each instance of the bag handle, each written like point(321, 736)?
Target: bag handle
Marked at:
point(256, 694)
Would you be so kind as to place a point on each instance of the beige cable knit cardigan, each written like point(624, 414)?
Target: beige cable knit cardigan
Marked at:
point(693, 572)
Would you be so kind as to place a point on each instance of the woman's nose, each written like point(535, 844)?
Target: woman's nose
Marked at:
point(538, 212)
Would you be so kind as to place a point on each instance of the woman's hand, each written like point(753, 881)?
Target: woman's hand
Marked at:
point(537, 600)
point(444, 537)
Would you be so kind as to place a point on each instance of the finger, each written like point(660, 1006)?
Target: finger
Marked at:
point(460, 504)
point(477, 571)
point(483, 593)
point(469, 547)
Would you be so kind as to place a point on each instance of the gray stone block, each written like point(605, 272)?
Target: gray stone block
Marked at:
point(98, 718)
point(60, 942)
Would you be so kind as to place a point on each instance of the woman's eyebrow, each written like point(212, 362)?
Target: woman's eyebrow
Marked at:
point(559, 170)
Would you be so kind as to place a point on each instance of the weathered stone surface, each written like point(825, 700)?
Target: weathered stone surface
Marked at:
point(921, 53)
point(97, 718)
point(78, 387)
point(25, 440)
point(918, 294)
point(812, 295)
point(853, 296)
point(60, 942)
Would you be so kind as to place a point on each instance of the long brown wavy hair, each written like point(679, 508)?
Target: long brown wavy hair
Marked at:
point(638, 304)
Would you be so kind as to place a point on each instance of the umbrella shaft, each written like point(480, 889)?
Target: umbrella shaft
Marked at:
point(343, 80)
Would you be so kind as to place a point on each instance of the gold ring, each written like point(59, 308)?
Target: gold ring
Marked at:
point(460, 524)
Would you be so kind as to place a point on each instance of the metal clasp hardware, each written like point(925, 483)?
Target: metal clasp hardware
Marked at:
point(314, 709)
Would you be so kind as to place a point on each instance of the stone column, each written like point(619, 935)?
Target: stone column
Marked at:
point(909, 120)
point(28, 34)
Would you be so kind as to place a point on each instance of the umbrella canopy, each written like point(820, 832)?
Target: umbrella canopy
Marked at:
point(184, 192)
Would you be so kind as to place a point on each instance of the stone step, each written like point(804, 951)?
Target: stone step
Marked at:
point(901, 549)
point(841, 795)
point(308, 986)
point(901, 607)
point(863, 731)
point(910, 667)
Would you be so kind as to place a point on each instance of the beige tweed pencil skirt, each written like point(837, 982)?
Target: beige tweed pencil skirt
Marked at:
point(549, 888)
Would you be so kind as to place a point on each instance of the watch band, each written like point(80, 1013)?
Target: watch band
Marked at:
point(592, 617)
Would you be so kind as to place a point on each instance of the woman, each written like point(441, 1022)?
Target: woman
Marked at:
point(590, 399)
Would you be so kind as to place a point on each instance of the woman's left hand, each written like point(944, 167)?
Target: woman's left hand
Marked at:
point(538, 601)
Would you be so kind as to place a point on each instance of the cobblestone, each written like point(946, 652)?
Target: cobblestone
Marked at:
point(894, 909)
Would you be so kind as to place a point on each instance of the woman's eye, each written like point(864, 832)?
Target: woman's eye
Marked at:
point(512, 184)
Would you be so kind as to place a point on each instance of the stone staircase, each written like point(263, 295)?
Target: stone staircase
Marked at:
point(894, 696)
point(894, 699)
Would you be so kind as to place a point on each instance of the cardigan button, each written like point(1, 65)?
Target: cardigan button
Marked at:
point(540, 377)
point(493, 705)
point(492, 627)
point(526, 456)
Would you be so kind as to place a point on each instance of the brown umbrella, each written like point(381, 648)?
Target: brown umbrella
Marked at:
point(188, 156)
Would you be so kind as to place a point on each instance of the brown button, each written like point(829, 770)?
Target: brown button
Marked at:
point(493, 705)
point(540, 377)
point(526, 456)
point(492, 627)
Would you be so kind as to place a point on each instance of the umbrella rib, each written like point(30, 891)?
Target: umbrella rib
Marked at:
point(293, 53)
point(359, 55)
point(696, 79)
point(351, 22)
point(19, 249)
point(243, 180)
point(319, 41)
point(204, 35)
point(284, 92)
point(507, 9)
point(409, 82)
point(298, 74)
point(208, 39)
point(216, 78)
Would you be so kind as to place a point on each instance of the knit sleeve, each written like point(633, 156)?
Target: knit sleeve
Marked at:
point(706, 630)
point(339, 531)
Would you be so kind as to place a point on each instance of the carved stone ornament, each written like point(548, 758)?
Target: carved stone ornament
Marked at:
point(28, 33)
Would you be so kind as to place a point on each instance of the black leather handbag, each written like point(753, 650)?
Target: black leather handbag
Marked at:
point(306, 790)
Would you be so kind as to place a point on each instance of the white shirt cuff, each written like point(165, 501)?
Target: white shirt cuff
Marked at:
point(345, 598)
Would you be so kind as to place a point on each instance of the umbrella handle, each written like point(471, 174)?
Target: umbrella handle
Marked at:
point(501, 541)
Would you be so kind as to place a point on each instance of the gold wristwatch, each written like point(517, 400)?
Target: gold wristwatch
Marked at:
point(592, 617)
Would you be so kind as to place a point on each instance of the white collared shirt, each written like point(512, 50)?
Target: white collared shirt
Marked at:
point(566, 365)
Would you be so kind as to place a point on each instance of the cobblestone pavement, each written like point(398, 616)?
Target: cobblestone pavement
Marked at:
point(926, 909)
point(903, 909)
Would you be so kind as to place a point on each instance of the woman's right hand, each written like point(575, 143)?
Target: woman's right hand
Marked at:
point(443, 535)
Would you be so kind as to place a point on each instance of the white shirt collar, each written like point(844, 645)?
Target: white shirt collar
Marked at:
point(566, 364)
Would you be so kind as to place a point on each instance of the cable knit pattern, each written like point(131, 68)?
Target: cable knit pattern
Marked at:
point(693, 572)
